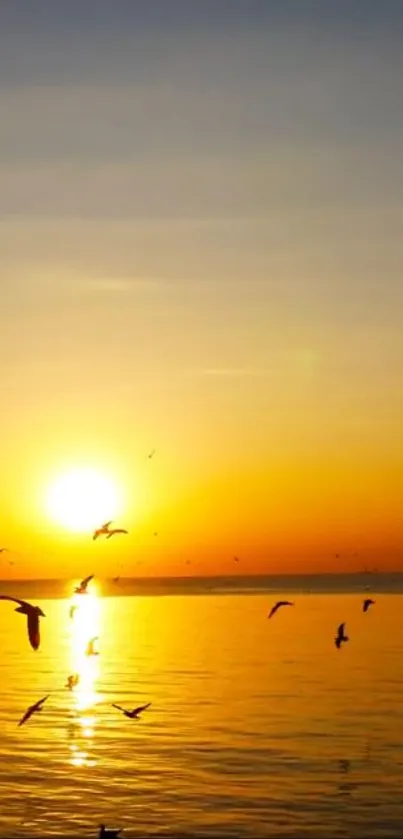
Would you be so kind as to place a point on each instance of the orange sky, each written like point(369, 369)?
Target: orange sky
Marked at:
point(200, 252)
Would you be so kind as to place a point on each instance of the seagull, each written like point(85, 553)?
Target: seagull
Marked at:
point(367, 603)
point(72, 681)
point(102, 531)
point(107, 832)
point(82, 588)
point(33, 614)
point(90, 646)
point(115, 530)
point(33, 709)
point(340, 637)
point(277, 606)
point(134, 714)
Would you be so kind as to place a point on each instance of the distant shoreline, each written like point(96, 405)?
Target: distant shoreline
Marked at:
point(382, 582)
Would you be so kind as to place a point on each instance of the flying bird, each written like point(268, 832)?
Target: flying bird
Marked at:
point(367, 603)
point(107, 832)
point(134, 714)
point(33, 709)
point(33, 614)
point(341, 637)
point(236, 558)
point(3, 550)
point(152, 453)
point(72, 681)
point(72, 609)
point(115, 530)
point(90, 647)
point(82, 588)
point(277, 606)
point(102, 531)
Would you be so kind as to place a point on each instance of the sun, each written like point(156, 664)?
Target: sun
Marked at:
point(82, 499)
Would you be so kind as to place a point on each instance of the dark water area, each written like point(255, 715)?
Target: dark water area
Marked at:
point(387, 583)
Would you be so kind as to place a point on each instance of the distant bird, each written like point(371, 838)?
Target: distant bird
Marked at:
point(156, 533)
point(277, 606)
point(116, 579)
point(3, 550)
point(236, 558)
point(72, 681)
point(90, 646)
point(102, 531)
point(367, 603)
point(107, 832)
point(134, 714)
point(114, 531)
point(33, 614)
point(73, 608)
point(82, 588)
point(152, 453)
point(341, 637)
point(33, 709)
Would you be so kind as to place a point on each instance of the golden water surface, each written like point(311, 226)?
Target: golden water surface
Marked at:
point(256, 727)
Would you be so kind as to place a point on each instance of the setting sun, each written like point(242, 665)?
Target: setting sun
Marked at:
point(82, 499)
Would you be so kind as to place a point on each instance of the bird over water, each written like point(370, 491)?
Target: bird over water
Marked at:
point(341, 637)
point(33, 614)
point(134, 714)
point(278, 606)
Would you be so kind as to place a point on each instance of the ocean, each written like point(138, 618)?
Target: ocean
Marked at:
point(256, 727)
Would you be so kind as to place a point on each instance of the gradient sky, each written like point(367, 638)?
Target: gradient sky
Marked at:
point(201, 251)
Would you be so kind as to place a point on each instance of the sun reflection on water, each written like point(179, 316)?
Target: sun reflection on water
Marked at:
point(85, 621)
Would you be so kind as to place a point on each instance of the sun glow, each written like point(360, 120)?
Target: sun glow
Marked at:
point(85, 613)
point(82, 499)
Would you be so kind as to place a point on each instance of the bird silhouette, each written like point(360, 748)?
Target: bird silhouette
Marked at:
point(278, 605)
point(72, 609)
point(341, 637)
point(72, 681)
point(82, 588)
point(33, 709)
point(102, 531)
point(33, 614)
point(107, 832)
point(90, 646)
point(152, 453)
point(114, 531)
point(367, 603)
point(134, 714)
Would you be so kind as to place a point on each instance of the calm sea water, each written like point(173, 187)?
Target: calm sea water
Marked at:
point(256, 728)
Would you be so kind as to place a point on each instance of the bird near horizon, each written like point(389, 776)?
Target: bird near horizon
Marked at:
point(341, 637)
point(33, 614)
point(33, 709)
point(115, 531)
point(103, 530)
point(278, 606)
point(82, 587)
point(367, 603)
point(134, 714)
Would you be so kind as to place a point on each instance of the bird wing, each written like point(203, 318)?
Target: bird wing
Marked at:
point(273, 610)
point(16, 600)
point(116, 530)
point(33, 630)
point(39, 704)
point(141, 708)
point(27, 715)
point(119, 707)
point(340, 631)
point(107, 524)
point(84, 583)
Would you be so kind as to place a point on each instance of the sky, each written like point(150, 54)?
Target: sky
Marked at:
point(200, 252)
